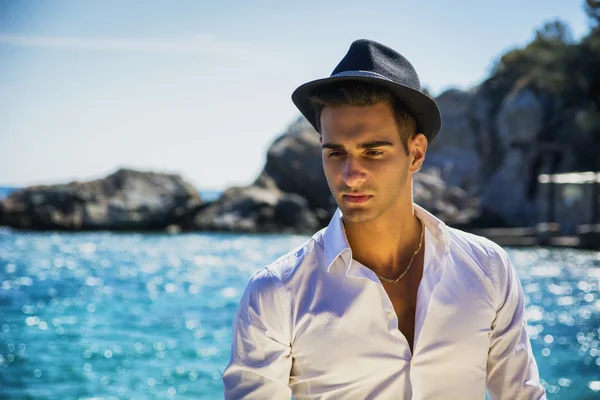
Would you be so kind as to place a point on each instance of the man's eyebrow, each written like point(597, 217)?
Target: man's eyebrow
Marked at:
point(366, 145)
point(373, 144)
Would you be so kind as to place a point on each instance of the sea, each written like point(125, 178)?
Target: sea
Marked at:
point(107, 315)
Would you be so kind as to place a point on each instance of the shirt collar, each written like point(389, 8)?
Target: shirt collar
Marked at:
point(336, 242)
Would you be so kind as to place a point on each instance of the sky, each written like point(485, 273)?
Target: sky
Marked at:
point(202, 88)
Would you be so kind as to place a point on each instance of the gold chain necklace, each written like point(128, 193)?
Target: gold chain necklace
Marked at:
point(409, 263)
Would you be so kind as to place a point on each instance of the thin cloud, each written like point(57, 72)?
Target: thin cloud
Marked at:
point(198, 44)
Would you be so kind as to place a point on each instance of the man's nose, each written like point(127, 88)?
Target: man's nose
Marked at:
point(354, 172)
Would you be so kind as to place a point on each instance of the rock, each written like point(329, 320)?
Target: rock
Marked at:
point(487, 145)
point(520, 118)
point(257, 210)
point(293, 212)
point(294, 166)
point(125, 200)
point(457, 150)
point(449, 203)
point(455, 106)
point(506, 195)
point(239, 209)
point(519, 122)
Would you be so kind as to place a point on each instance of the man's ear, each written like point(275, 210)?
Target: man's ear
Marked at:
point(417, 148)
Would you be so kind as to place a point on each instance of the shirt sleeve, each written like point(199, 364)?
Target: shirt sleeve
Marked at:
point(261, 359)
point(512, 372)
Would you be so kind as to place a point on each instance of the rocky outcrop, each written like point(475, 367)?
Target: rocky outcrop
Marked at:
point(507, 193)
point(458, 152)
point(125, 200)
point(521, 117)
point(255, 209)
point(495, 152)
point(294, 166)
point(451, 204)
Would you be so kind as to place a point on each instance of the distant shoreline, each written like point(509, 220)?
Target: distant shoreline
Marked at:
point(207, 195)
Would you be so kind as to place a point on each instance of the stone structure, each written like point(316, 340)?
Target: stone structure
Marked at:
point(571, 200)
point(125, 200)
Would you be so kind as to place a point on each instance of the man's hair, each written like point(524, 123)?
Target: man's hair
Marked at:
point(361, 94)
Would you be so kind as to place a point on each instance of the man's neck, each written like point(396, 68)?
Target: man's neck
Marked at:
point(387, 243)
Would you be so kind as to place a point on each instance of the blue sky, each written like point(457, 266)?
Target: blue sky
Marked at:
point(202, 88)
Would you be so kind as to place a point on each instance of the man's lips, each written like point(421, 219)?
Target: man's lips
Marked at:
point(356, 198)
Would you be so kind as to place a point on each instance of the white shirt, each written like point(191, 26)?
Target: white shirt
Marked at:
point(317, 324)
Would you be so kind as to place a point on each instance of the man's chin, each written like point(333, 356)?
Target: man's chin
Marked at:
point(357, 214)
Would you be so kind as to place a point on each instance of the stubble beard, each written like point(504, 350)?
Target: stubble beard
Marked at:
point(376, 207)
point(357, 214)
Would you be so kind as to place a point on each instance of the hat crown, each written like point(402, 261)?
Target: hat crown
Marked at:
point(367, 55)
point(373, 63)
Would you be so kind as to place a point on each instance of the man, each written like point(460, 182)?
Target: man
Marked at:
point(387, 302)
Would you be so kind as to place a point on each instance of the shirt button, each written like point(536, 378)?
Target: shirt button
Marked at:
point(390, 315)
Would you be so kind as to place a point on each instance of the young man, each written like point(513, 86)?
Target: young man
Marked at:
point(387, 302)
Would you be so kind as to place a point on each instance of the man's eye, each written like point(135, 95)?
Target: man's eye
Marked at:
point(335, 154)
point(374, 153)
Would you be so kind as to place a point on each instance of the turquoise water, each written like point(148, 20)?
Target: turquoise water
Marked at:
point(123, 315)
point(119, 316)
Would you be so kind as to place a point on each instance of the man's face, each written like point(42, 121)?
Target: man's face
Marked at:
point(365, 162)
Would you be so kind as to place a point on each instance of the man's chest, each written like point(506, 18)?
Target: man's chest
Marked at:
point(404, 304)
point(351, 335)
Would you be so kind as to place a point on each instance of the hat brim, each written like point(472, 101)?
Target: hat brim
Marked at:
point(423, 107)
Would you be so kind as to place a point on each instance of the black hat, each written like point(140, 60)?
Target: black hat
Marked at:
point(372, 62)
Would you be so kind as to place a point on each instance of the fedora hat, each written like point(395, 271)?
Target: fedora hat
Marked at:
point(374, 63)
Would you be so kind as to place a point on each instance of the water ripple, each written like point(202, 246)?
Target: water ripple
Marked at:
point(113, 315)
